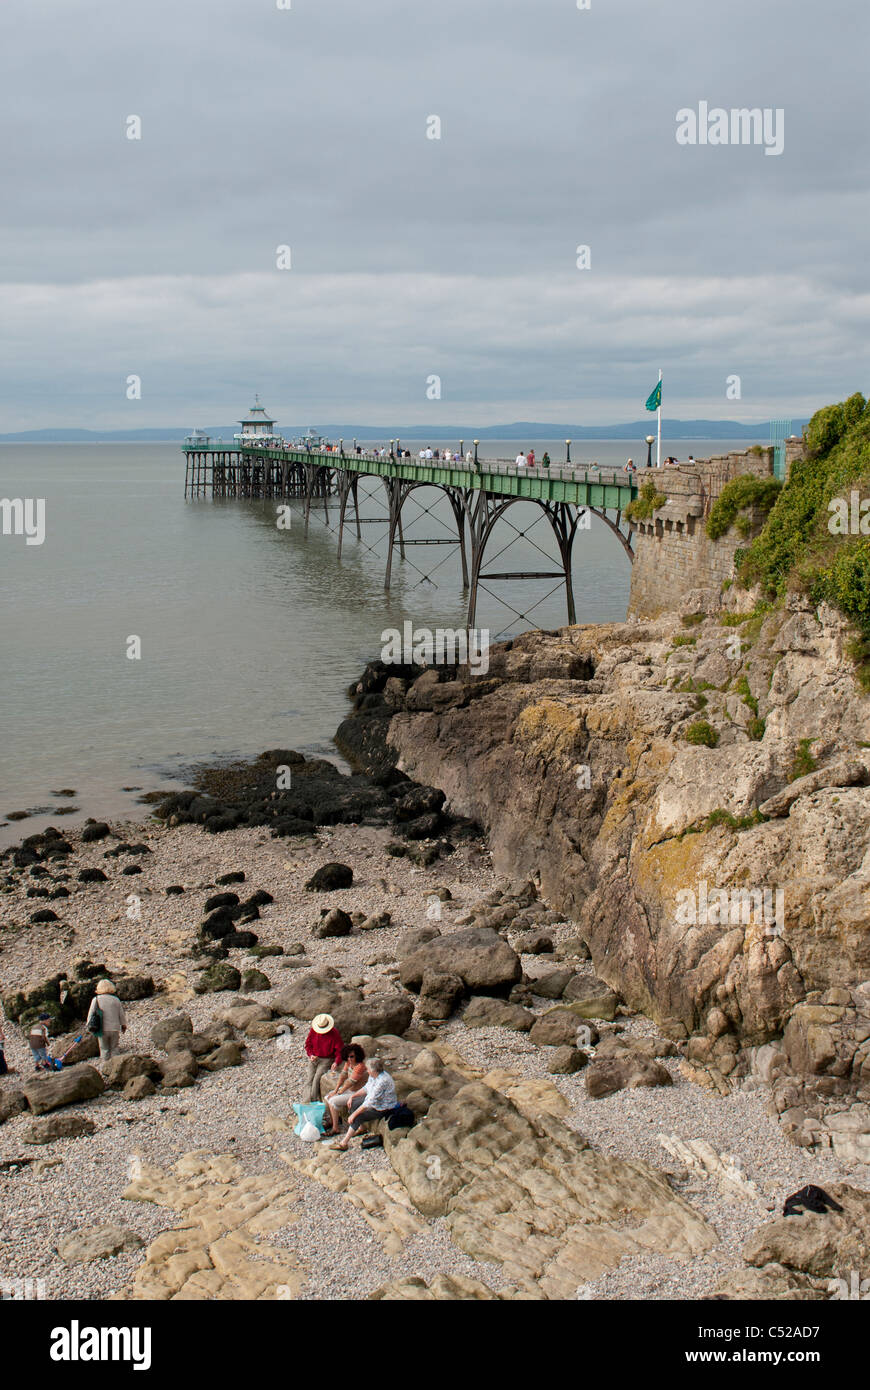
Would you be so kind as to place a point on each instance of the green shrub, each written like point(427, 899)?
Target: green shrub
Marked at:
point(742, 688)
point(735, 497)
point(755, 729)
point(684, 641)
point(702, 733)
point(692, 619)
point(803, 761)
point(647, 501)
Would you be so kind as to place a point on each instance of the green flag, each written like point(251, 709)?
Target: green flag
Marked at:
point(655, 399)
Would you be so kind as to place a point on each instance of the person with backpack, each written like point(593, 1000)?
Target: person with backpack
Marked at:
point(107, 1019)
point(37, 1040)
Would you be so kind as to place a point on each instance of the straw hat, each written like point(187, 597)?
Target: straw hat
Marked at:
point(105, 987)
point(323, 1023)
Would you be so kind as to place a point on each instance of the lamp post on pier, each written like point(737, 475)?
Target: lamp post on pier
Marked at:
point(476, 442)
point(650, 441)
point(567, 451)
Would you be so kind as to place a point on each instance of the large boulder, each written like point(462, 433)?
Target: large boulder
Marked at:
point(552, 985)
point(607, 1075)
point(591, 998)
point(179, 1069)
point(218, 977)
point(11, 1103)
point(165, 1027)
point(829, 1244)
point(478, 955)
point(555, 1028)
point(336, 922)
point(228, 1054)
point(119, 1070)
point(485, 1012)
point(330, 877)
point(376, 1014)
point(440, 992)
point(310, 995)
point(65, 1087)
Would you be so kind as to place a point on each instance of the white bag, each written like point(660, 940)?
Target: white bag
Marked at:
point(309, 1132)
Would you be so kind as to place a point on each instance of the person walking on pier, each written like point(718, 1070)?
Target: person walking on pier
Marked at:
point(531, 458)
point(545, 461)
point(521, 460)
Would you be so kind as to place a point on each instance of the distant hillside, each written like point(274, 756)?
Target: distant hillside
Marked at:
point(517, 430)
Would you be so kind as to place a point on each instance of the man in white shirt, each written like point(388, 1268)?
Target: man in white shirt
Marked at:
point(521, 460)
point(376, 1099)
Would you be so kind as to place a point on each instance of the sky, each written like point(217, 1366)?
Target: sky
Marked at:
point(430, 279)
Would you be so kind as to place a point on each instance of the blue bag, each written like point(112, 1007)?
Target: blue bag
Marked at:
point(312, 1112)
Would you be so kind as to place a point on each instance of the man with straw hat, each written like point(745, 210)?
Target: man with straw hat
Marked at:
point(113, 1019)
point(323, 1049)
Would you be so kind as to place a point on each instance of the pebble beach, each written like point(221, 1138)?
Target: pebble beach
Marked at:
point(51, 1190)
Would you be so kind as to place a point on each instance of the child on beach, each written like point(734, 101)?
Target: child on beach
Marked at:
point(37, 1040)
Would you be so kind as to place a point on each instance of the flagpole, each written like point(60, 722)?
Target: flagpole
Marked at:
point(659, 415)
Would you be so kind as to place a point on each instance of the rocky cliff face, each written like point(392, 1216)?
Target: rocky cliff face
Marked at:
point(576, 754)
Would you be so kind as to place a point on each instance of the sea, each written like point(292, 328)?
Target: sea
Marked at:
point(249, 634)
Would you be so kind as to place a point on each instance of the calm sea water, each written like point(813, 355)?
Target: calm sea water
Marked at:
point(249, 634)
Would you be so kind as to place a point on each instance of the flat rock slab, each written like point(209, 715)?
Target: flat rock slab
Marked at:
point(58, 1127)
point(478, 955)
point(97, 1243)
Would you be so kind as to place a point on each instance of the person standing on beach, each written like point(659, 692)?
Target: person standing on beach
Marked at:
point(37, 1041)
point(113, 1019)
point(323, 1049)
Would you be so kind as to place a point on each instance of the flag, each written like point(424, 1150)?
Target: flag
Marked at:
point(655, 399)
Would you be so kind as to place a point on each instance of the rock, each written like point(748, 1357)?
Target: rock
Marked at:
point(478, 955)
point(58, 1127)
point(591, 998)
point(97, 1243)
point(74, 1052)
point(240, 940)
point(94, 830)
point(218, 977)
point(220, 900)
point(229, 1054)
point(555, 1028)
point(336, 922)
point(11, 1103)
point(572, 948)
point(179, 1069)
point(485, 1012)
point(44, 915)
point(174, 890)
point(771, 1283)
point(552, 985)
point(309, 995)
point(132, 987)
point(532, 943)
point(262, 1029)
point(517, 1187)
point(822, 1245)
point(119, 1070)
point(163, 1029)
point(255, 980)
point(329, 877)
point(92, 876)
point(375, 922)
point(65, 1087)
point(440, 992)
point(565, 1061)
point(606, 1075)
point(416, 937)
point(139, 1088)
point(234, 876)
point(376, 1014)
point(243, 1013)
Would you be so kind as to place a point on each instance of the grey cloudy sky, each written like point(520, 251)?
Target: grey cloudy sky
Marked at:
point(410, 256)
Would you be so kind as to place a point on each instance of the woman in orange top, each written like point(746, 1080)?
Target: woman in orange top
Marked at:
point(351, 1082)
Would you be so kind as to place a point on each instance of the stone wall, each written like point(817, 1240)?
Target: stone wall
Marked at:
point(676, 565)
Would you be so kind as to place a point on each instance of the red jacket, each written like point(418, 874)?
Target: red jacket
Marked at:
point(324, 1044)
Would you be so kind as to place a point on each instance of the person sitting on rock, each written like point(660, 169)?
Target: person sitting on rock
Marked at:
point(351, 1084)
point(112, 1017)
point(323, 1048)
point(37, 1040)
point(378, 1098)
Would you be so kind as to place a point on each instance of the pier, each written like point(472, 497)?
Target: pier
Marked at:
point(480, 492)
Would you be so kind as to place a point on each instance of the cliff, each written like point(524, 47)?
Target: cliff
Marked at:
point(578, 754)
